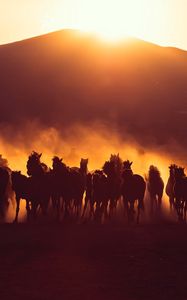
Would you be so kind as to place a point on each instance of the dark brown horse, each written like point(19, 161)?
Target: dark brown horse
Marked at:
point(61, 187)
point(133, 189)
point(4, 182)
point(170, 185)
point(78, 177)
point(113, 170)
point(68, 186)
point(96, 195)
point(155, 187)
point(180, 192)
point(40, 189)
point(21, 187)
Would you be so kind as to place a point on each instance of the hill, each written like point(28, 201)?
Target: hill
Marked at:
point(66, 78)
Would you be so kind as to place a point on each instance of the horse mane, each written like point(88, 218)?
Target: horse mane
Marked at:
point(113, 166)
point(34, 165)
point(179, 171)
point(58, 164)
point(153, 172)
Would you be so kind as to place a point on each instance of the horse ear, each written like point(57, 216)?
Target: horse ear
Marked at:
point(131, 163)
point(61, 159)
point(40, 154)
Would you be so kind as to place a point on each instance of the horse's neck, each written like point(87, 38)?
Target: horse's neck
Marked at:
point(83, 170)
point(171, 179)
point(154, 178)
point(128, 176)
point(178, 180)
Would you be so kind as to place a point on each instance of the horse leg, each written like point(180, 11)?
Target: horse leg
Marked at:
point(17, 208)
point(28, 210)
point(67, 207)
point(152, 204)
point(159, 202)
point(111, 208)
point(79, 205)
point(138, 216)
point(53, 198)
point(126, 207)
point(85, 206)
point(34, 207)
point(171, 203)
point(105, 207)
point(185, 208)
point(140, 207)
point(91, 213)
point(58, 208)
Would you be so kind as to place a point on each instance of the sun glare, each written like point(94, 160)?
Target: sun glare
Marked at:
point(111, 20)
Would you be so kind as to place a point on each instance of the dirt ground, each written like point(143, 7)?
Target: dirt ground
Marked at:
point(114, 261)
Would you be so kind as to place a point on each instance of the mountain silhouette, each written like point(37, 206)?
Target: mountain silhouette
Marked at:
point(67, 77)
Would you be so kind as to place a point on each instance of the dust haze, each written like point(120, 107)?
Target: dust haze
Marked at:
point(74, 96)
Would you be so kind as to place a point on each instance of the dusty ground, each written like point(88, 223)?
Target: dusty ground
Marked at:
point(65, 261)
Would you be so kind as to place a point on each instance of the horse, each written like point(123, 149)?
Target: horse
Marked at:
point(133, 189)
point(155, 187)
point(20, 185)
point(180, 192)
point(61, 186)
point(113, 170)
point(170, 185)
point(4, 182)
point(88, 196)
point(100, 194)
point(40, 189)
point(78, 177)
point(96, 195)
point(68, 185)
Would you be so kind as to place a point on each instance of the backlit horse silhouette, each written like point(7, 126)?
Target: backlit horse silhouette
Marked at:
point(96, 196)
point(155, 187)
point(60, 187)
point(113, 169)
point(68, 186)
point(133, 189)
point(78, 177)
point(22, 188)
point(4, 182)
point(40, 189)
point(180, 192)
point(170, 185)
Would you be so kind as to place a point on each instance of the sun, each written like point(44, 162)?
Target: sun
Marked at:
point(110, 19)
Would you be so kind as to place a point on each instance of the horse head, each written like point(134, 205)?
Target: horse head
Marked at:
point(179, 173)
point(84, 165)
point(127, 165)
point(34, 164)
point(154, 172)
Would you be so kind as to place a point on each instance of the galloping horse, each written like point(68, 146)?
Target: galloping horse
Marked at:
point(96, 195)
point(100, 194)
point(4, 182)
point(155, 186)
point(133, 189)
point(78, 177)
point(39, 183)
point(180, 192)
point(113, 169)
point(20, 185)
point(170, 185)
point(61, 186)
point(88, 196)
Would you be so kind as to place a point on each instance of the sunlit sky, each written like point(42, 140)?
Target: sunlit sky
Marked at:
point(163, 22)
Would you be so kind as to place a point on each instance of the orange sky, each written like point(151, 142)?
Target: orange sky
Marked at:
point(160, 21)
